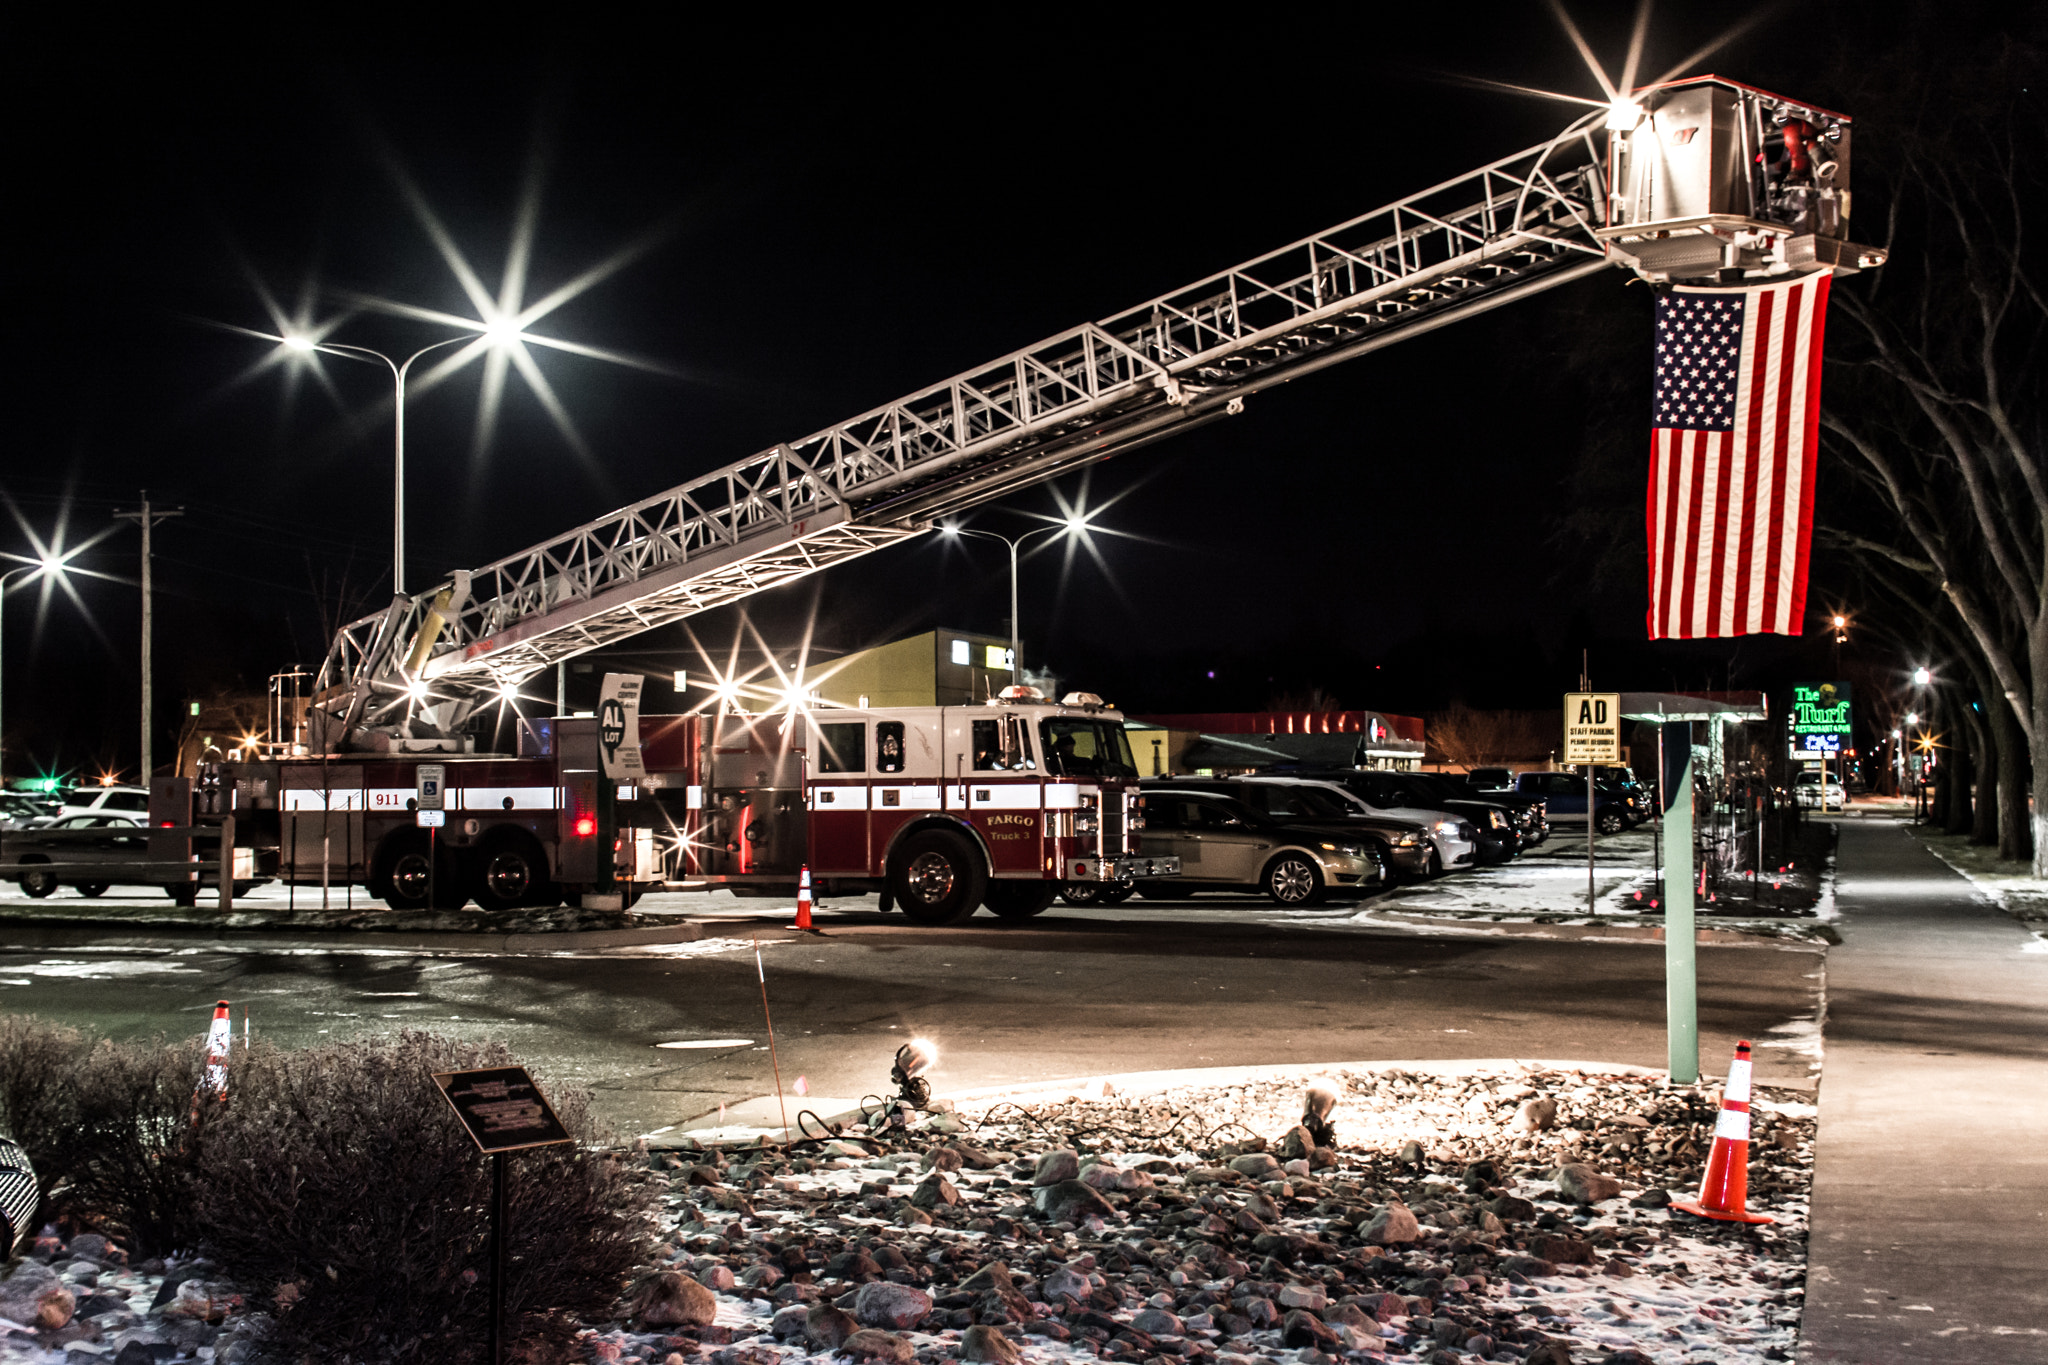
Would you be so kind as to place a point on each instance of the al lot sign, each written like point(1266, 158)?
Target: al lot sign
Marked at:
point(1819, 720)
point(1592, 727)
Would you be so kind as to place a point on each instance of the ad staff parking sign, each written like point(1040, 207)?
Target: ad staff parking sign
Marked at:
point(1592, 727)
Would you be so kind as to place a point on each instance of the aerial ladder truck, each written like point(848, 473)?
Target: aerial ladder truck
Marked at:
point(374, 777)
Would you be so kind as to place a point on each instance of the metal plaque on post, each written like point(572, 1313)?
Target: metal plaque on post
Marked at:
point(1592, 728)
point(618, 727)
point(502, 1108)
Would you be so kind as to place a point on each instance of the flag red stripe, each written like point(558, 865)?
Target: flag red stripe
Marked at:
point(1673, 520)
point(1758, 462)
point(1810, 447)
point(1695, 445)
point(1723, 453)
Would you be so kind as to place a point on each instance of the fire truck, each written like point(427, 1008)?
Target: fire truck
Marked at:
point(941, 809)
point(376, 776)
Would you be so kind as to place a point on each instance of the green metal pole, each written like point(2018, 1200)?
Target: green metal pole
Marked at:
point(1681, 993)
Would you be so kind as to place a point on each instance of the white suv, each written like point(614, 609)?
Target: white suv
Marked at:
point(115, 800)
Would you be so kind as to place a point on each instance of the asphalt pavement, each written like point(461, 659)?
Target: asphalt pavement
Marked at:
point(1210, 983)
point(1929, 1239)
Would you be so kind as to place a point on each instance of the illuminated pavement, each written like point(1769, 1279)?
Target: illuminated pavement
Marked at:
point(1216, 983)
point(1930, 1194)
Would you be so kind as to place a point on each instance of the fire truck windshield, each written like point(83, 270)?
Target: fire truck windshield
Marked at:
point(1086, 748)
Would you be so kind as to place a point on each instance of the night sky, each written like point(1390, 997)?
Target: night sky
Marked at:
point(825, 218)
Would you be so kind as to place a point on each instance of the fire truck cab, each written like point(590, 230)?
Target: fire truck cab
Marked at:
point(942, 809)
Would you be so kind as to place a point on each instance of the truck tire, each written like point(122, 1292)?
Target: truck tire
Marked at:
point(1082, 893)
point(37, 885)
point(401, 878)
point(1020, 900)
point(184, 894)
point(937, 877)
point(1611, 822)
point(1116, 893)
point(91, 889)
point(510, 869)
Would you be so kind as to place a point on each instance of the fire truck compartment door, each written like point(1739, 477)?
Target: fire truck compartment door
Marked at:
point(838, 796)
point(1062, 796)
point(1002, 796)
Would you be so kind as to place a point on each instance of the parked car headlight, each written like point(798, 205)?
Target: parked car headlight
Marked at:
point(1447, 828)
point(1343, 850)
point(1497, 819)
point(1409, 840)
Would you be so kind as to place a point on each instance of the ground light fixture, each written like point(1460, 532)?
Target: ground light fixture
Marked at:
point(913, 1059)
point(1318, 1104)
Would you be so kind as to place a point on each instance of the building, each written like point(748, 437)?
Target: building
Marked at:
point(938, 668)
point(1227, 742)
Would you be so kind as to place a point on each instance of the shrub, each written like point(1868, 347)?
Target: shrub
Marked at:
point(342, 1172)
point(107, 1126)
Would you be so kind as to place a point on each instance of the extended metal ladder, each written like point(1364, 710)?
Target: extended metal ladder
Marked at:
point(1514, 228)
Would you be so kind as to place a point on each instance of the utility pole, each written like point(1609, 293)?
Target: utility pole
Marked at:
point(147, 519)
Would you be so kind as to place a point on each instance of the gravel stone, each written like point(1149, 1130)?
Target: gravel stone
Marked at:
point(882, 1304)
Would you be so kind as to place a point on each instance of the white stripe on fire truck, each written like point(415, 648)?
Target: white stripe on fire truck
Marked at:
point(907, 798)
point(1062, 796)
point(1004, 796)
point(838, 797)
point(493, 798)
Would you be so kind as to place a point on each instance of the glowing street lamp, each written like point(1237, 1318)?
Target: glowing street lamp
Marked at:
point(1922, 677)
point(501, 333)
point(53, 567)
point(1074, 525)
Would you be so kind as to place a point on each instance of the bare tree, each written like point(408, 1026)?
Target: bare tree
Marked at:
point(1941, 409)
point(1472, 738)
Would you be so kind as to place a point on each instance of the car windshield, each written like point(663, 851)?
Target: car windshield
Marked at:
point(1086, 748)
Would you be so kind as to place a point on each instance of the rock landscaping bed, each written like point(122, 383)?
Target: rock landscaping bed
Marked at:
point(1513, 1214)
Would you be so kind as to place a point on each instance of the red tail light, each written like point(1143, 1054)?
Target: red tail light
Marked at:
point(586, 825)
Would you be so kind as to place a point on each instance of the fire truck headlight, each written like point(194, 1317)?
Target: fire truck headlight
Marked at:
point(1084, 824)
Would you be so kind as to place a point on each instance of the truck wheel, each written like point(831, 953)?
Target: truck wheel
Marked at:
point(91, 889)
point(1116, 893)
point(1612, 822)
point(38, 885)
point(1020, 900)
point(509, 871)
point(403, 873)
point(1291, 879)
point(937, 877)
point(1082, 893)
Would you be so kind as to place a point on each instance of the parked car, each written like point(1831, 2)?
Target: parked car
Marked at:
point(1491, 779)
point(1532, 821)
point(1564, 796)
point(1390, 794)
point(23, 810)
point(125, 839)
point(1809, 791)
point(1223, 844)
point(1407, 847)
point(114, 800)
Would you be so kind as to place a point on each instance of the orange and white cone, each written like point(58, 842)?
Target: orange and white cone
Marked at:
point(220, 1038)
point(1724, 1192)
point(803, 898)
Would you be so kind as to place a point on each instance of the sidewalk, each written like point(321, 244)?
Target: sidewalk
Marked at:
point(1930, 1196)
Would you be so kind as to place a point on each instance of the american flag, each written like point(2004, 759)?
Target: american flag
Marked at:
point(1731, 458)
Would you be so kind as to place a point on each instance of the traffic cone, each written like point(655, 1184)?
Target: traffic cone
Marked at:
point(1724, 1192)
point(803, 898)
point(220, 1038)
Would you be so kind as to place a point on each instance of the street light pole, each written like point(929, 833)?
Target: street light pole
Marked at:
point(1016, 626)
point(146, 519)
point(399, 370)
point(45, 566)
